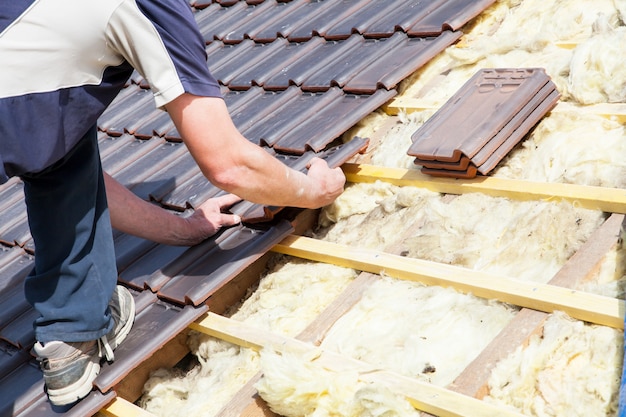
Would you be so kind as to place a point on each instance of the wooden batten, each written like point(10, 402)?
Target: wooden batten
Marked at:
point(120, 407)
point(473, 380)
point(543, 297)
point(611, 200)
point(612, 111)
point(423, 396)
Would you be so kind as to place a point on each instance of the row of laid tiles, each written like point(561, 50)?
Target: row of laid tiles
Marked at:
point(155, 170)
point(21, 381)
point(144, 264)
point(300, 20)
point(291, 121)
point(357, 64)
point(192, 275)
point(483, 121)
point(205, 268)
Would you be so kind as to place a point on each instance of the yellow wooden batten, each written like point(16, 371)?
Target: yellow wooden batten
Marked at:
point(543, 297)
point(612, 200)
point(423, 396)
point(120, 407)
point(612, 111)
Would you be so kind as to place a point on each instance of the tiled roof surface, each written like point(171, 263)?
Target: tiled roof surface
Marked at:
point(296, 75)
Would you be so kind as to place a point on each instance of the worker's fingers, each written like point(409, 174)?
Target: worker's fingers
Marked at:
point(328, 183)
point(316, 161)
point(229, 220)
point(226, 200)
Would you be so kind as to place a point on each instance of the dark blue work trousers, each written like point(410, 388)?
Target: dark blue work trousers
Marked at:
point(75, 273)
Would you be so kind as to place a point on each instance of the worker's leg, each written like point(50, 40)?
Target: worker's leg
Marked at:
point(75, 274)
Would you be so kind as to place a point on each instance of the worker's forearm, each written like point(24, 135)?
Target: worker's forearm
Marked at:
point(259, 177)
point(236, 165)
point(130, 214)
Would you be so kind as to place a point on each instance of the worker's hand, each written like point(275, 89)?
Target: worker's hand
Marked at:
point(208, 219)
point(327, 183)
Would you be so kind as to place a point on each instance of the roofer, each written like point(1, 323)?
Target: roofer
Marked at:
point(63, 62)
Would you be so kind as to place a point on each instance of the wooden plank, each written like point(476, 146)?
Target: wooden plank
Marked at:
point(120, 407)
point(316, 331)
point(423, 396)
point(246, 402)
point(258, 408)
point(175, 350)
point(567, 45)
point(613, 111)
point(473, 380)
point(612, 200)
point(544, 297)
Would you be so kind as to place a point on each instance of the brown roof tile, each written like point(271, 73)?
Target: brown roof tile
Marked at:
point(483, 121)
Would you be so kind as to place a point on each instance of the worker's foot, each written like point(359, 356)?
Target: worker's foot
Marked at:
point(70, 368)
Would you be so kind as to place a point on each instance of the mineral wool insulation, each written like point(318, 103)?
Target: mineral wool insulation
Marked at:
point(431, 333)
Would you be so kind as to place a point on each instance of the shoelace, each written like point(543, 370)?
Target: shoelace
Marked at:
point(105, 350)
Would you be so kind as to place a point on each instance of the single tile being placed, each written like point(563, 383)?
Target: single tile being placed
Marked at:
point(190, 194)
point(334, 157)
point(289, 115)
point(259, 107)
point(221, 261)
point(295, 121)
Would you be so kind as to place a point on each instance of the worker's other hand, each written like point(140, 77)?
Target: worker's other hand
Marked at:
point(327, 182)
point(208, 218)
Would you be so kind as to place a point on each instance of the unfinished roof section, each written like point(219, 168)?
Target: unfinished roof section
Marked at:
point(483, 121)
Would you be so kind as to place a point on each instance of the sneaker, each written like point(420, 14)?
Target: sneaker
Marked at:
point(69, 369)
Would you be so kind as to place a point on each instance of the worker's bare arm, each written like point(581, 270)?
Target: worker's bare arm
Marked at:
point(234, 164)
point(132, 215)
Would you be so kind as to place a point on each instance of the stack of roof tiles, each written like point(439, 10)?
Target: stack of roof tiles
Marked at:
point(483, 121)
point(296, 75)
